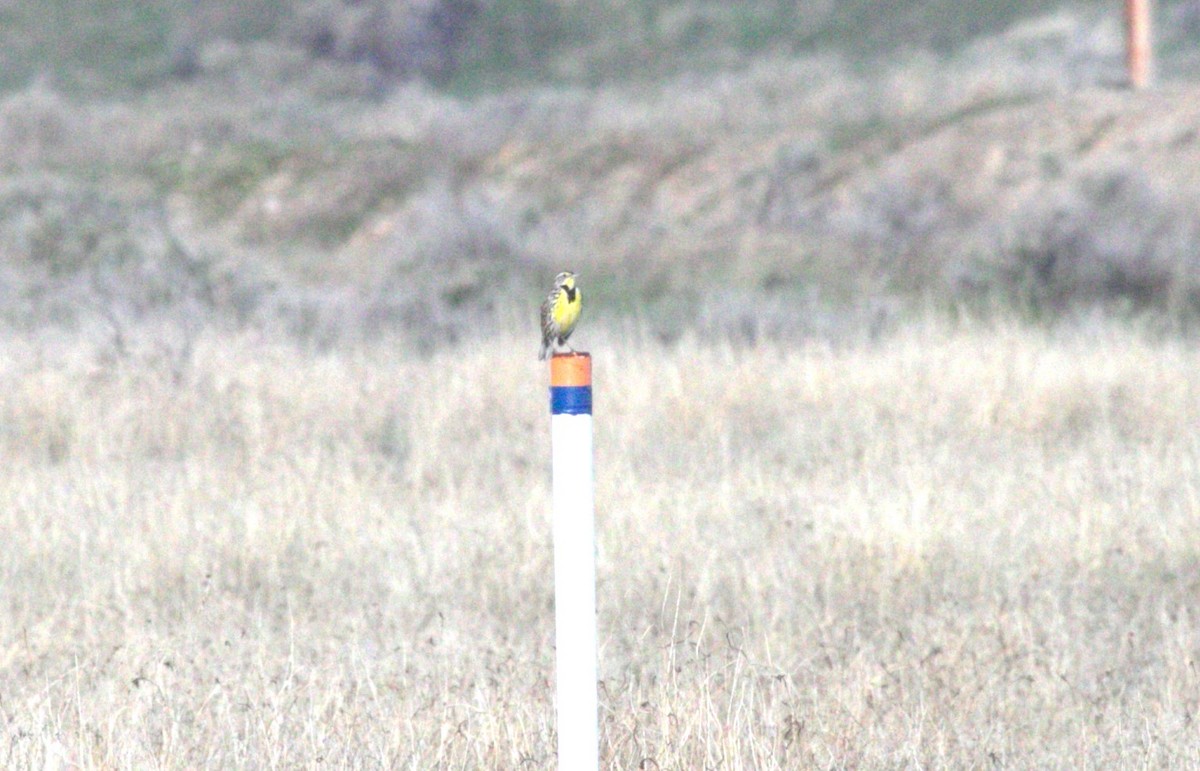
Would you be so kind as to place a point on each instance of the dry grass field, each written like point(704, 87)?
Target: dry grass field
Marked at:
point(268, 501)
point(955, 546)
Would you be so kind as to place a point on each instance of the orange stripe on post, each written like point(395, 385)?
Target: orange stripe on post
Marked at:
point(570, 369)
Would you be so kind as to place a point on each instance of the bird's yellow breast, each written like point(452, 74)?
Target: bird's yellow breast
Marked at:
point(566, 310)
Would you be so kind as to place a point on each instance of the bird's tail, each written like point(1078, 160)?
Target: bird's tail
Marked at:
point(542, 353)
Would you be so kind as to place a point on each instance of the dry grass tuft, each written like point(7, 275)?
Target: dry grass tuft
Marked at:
point(945, 548)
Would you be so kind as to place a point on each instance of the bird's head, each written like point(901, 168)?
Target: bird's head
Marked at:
point(565, 280)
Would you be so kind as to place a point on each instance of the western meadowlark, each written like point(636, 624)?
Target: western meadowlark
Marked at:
point(560, 311)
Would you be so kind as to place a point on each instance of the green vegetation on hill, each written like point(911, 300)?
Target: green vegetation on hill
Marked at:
point(740, 169)
point(110, 46)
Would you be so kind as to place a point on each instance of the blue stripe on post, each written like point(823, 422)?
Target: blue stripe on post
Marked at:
point(570, 400)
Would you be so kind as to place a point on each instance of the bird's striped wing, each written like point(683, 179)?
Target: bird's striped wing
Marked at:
point(549, 326)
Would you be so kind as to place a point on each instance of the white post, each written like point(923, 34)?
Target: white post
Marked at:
point(574, 562)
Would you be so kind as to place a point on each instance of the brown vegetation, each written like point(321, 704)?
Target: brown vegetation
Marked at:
point(945, 549)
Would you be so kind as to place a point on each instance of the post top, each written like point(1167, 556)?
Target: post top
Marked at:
point(571, 369)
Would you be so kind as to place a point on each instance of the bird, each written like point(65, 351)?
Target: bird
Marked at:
point(560, 312)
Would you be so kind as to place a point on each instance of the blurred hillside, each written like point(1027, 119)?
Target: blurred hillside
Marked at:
point(116, 45)
point(763, 168)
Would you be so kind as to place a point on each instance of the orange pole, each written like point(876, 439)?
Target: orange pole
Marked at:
point(1137, 42)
